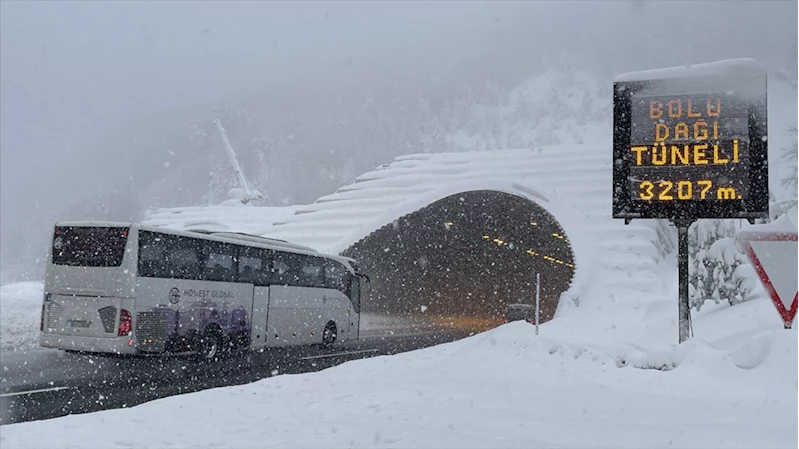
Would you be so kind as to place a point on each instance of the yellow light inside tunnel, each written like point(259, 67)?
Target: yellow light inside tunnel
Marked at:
point(487, 237)
point(498, 241)
point(532, 223)
point(569, 265)
point(555, 234)
point(448, 223)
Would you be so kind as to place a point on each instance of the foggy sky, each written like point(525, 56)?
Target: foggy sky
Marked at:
point(71, 73)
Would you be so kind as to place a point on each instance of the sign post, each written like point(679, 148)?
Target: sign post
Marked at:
point(772, 250)
point(537, 300)
point(683, 298)
point(691, 143)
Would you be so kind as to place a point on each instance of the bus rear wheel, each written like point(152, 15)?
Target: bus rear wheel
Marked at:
point(329, 334)
point(210, 345)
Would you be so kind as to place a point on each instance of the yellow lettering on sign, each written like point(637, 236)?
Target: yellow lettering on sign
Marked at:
point(675, 108)
point(711, 111)
point(700, 129)
point(681, 131)
point(716, 158)
point(684, 190)
point(659, 160)
point(707, 185)
point(700, 158)
point(675, 153)
point(691, 112)
point(638, 151)
point(661, 132)
point(725, 193)
point(664, 194)
point(647, 193)
point(655, 109)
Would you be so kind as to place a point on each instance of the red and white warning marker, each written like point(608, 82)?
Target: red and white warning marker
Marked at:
point(772, 251)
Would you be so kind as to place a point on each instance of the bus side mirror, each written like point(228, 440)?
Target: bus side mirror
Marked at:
point(368, 281)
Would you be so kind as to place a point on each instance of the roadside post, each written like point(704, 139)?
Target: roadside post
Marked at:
point(537, 300)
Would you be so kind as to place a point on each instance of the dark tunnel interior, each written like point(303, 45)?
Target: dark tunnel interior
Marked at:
point(460, 261)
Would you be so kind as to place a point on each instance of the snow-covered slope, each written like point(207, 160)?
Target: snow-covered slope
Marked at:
point(733, 386)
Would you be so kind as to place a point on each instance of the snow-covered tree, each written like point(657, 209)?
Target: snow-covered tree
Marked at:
point(789, 182)
point(715, 271)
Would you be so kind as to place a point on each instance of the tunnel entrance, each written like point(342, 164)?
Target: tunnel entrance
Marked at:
point(460, 261)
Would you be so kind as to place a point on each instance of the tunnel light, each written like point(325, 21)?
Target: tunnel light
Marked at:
point(532, 223)
point(569, 265)
point(448, 223)
point(498, 241)
point(557, 235)
point(487, 237)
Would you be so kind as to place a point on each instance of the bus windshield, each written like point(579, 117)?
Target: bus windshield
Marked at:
point(89, 246)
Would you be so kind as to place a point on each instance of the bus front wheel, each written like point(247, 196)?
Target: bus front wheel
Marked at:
point(329, 334)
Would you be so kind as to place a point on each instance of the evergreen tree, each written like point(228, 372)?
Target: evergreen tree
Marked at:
point(714, 263)
point(789, 155)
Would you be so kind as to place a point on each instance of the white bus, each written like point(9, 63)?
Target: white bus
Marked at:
point(135, 289)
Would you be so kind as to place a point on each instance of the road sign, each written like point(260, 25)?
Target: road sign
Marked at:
point(690, 143)
point(772, 251)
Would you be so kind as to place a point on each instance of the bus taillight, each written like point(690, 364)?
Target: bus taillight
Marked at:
point(124, 323)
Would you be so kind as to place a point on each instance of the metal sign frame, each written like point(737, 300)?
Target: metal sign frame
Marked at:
point(755, 205)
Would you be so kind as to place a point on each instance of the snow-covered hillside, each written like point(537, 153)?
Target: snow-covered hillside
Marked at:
point(574, 106)
point(20, 310)
point(563, 118)
point(732, 386)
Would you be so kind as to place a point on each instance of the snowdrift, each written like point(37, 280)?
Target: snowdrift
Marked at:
point(733, 386)
point(20, 313)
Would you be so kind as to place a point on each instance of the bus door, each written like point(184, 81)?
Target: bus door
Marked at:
point(355, 311)
point(253, 266)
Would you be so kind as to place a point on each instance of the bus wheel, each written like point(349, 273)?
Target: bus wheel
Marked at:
point(329, 334)
point(210, 345)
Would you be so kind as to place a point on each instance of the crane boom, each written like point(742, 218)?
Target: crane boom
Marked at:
point(249, 194)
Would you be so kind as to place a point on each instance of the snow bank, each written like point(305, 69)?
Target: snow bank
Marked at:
point(733, 386)
point(20, 313)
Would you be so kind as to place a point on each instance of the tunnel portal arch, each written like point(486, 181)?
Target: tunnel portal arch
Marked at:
point(463, 258)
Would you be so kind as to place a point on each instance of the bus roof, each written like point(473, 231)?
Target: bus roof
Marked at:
point(227, 237)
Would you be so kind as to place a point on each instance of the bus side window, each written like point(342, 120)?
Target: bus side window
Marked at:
point(250, 267)
point(335, 276)
point(182, 258)
point(312, 272)
point(152, 256)
point(219, 262)
point(281, 270)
